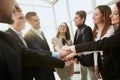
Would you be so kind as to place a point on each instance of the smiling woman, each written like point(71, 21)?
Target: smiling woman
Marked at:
point(53, 12)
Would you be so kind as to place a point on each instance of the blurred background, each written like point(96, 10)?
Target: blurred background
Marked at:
point(54, 12)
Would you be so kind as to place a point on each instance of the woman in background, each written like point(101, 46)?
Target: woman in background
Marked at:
point(102, 28)
point(111, 61)
point(63, 38)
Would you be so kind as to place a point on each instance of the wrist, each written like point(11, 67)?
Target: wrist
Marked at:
point(72, 48)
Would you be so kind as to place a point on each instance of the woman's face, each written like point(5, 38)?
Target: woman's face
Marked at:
point(97, 17)
point(115, 16)
point(62, 28)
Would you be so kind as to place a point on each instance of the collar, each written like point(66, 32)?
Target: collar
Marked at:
point(18, 33)
point(80, 26)
point(36, 30)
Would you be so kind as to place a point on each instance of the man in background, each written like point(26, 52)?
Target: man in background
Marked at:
point(84, 34)
point(13, 56)
point(36, 40)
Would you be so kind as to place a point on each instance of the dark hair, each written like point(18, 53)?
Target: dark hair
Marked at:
point(30, 14)
point(67, 34)
point(118, 6)
point(82, 14)
point(106, 12)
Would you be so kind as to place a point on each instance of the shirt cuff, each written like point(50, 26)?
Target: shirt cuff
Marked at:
point(73, 48)
point(56, 55)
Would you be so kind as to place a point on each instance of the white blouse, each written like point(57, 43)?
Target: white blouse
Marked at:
point(109, 32)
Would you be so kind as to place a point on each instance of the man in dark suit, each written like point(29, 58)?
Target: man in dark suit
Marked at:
point(83, 34)
point(15, 29)
point(36, 40)
point(13, 56)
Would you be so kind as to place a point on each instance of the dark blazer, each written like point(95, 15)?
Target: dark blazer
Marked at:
point(35, 42)
point(16, 37)
point(111, 60)
point(13, 56)
point(26, 71)
point(84, 34)
point(10, 58)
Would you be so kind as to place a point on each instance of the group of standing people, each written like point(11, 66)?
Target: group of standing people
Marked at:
point(16, 57)
point(90, 64)
point(106, 42)
point(25, 58)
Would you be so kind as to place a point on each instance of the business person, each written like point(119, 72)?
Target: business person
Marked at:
point(36, 40)
point(12, 55)
point(102, 28)
point(112, 43)
point(63, 38)
point(84, 34)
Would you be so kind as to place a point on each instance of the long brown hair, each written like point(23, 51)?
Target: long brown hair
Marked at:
point(118, 6)
point(106, 11)
point(67, 34)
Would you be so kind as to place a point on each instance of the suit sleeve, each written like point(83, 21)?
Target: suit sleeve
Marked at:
point(32, 57)
point(106, 43)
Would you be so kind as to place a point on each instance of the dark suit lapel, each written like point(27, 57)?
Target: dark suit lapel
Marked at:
point(75, 37)
point(16, 37)
point(40, 41)
point(45, 42)
point(79, 33)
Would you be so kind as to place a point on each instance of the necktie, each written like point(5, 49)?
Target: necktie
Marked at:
point(64, 42)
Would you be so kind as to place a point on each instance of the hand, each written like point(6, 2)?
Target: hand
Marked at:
point(67, 48)
point(97, 73)
point(64, 53)
point(70, 56)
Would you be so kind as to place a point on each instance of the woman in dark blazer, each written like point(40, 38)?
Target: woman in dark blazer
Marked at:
point(111, 60)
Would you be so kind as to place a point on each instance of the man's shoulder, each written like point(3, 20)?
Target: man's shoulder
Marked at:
point(4, 46)
point(6, 37)
point(29, 33)
point(86, 27)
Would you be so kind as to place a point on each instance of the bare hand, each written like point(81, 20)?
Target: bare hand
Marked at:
point(64, 53)
point(67, 48)
point(70, 56)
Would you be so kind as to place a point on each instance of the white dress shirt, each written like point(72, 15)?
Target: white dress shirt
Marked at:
point(38, 32)
point(109, 32)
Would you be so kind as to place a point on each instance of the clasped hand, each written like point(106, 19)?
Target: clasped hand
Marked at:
point(67, 55)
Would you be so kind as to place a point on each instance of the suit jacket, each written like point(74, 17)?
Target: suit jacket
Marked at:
point(16, 37)
point(84, 34)
point(13, 56)
point(112, 59)
point(26, 71)
point(36, 42)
